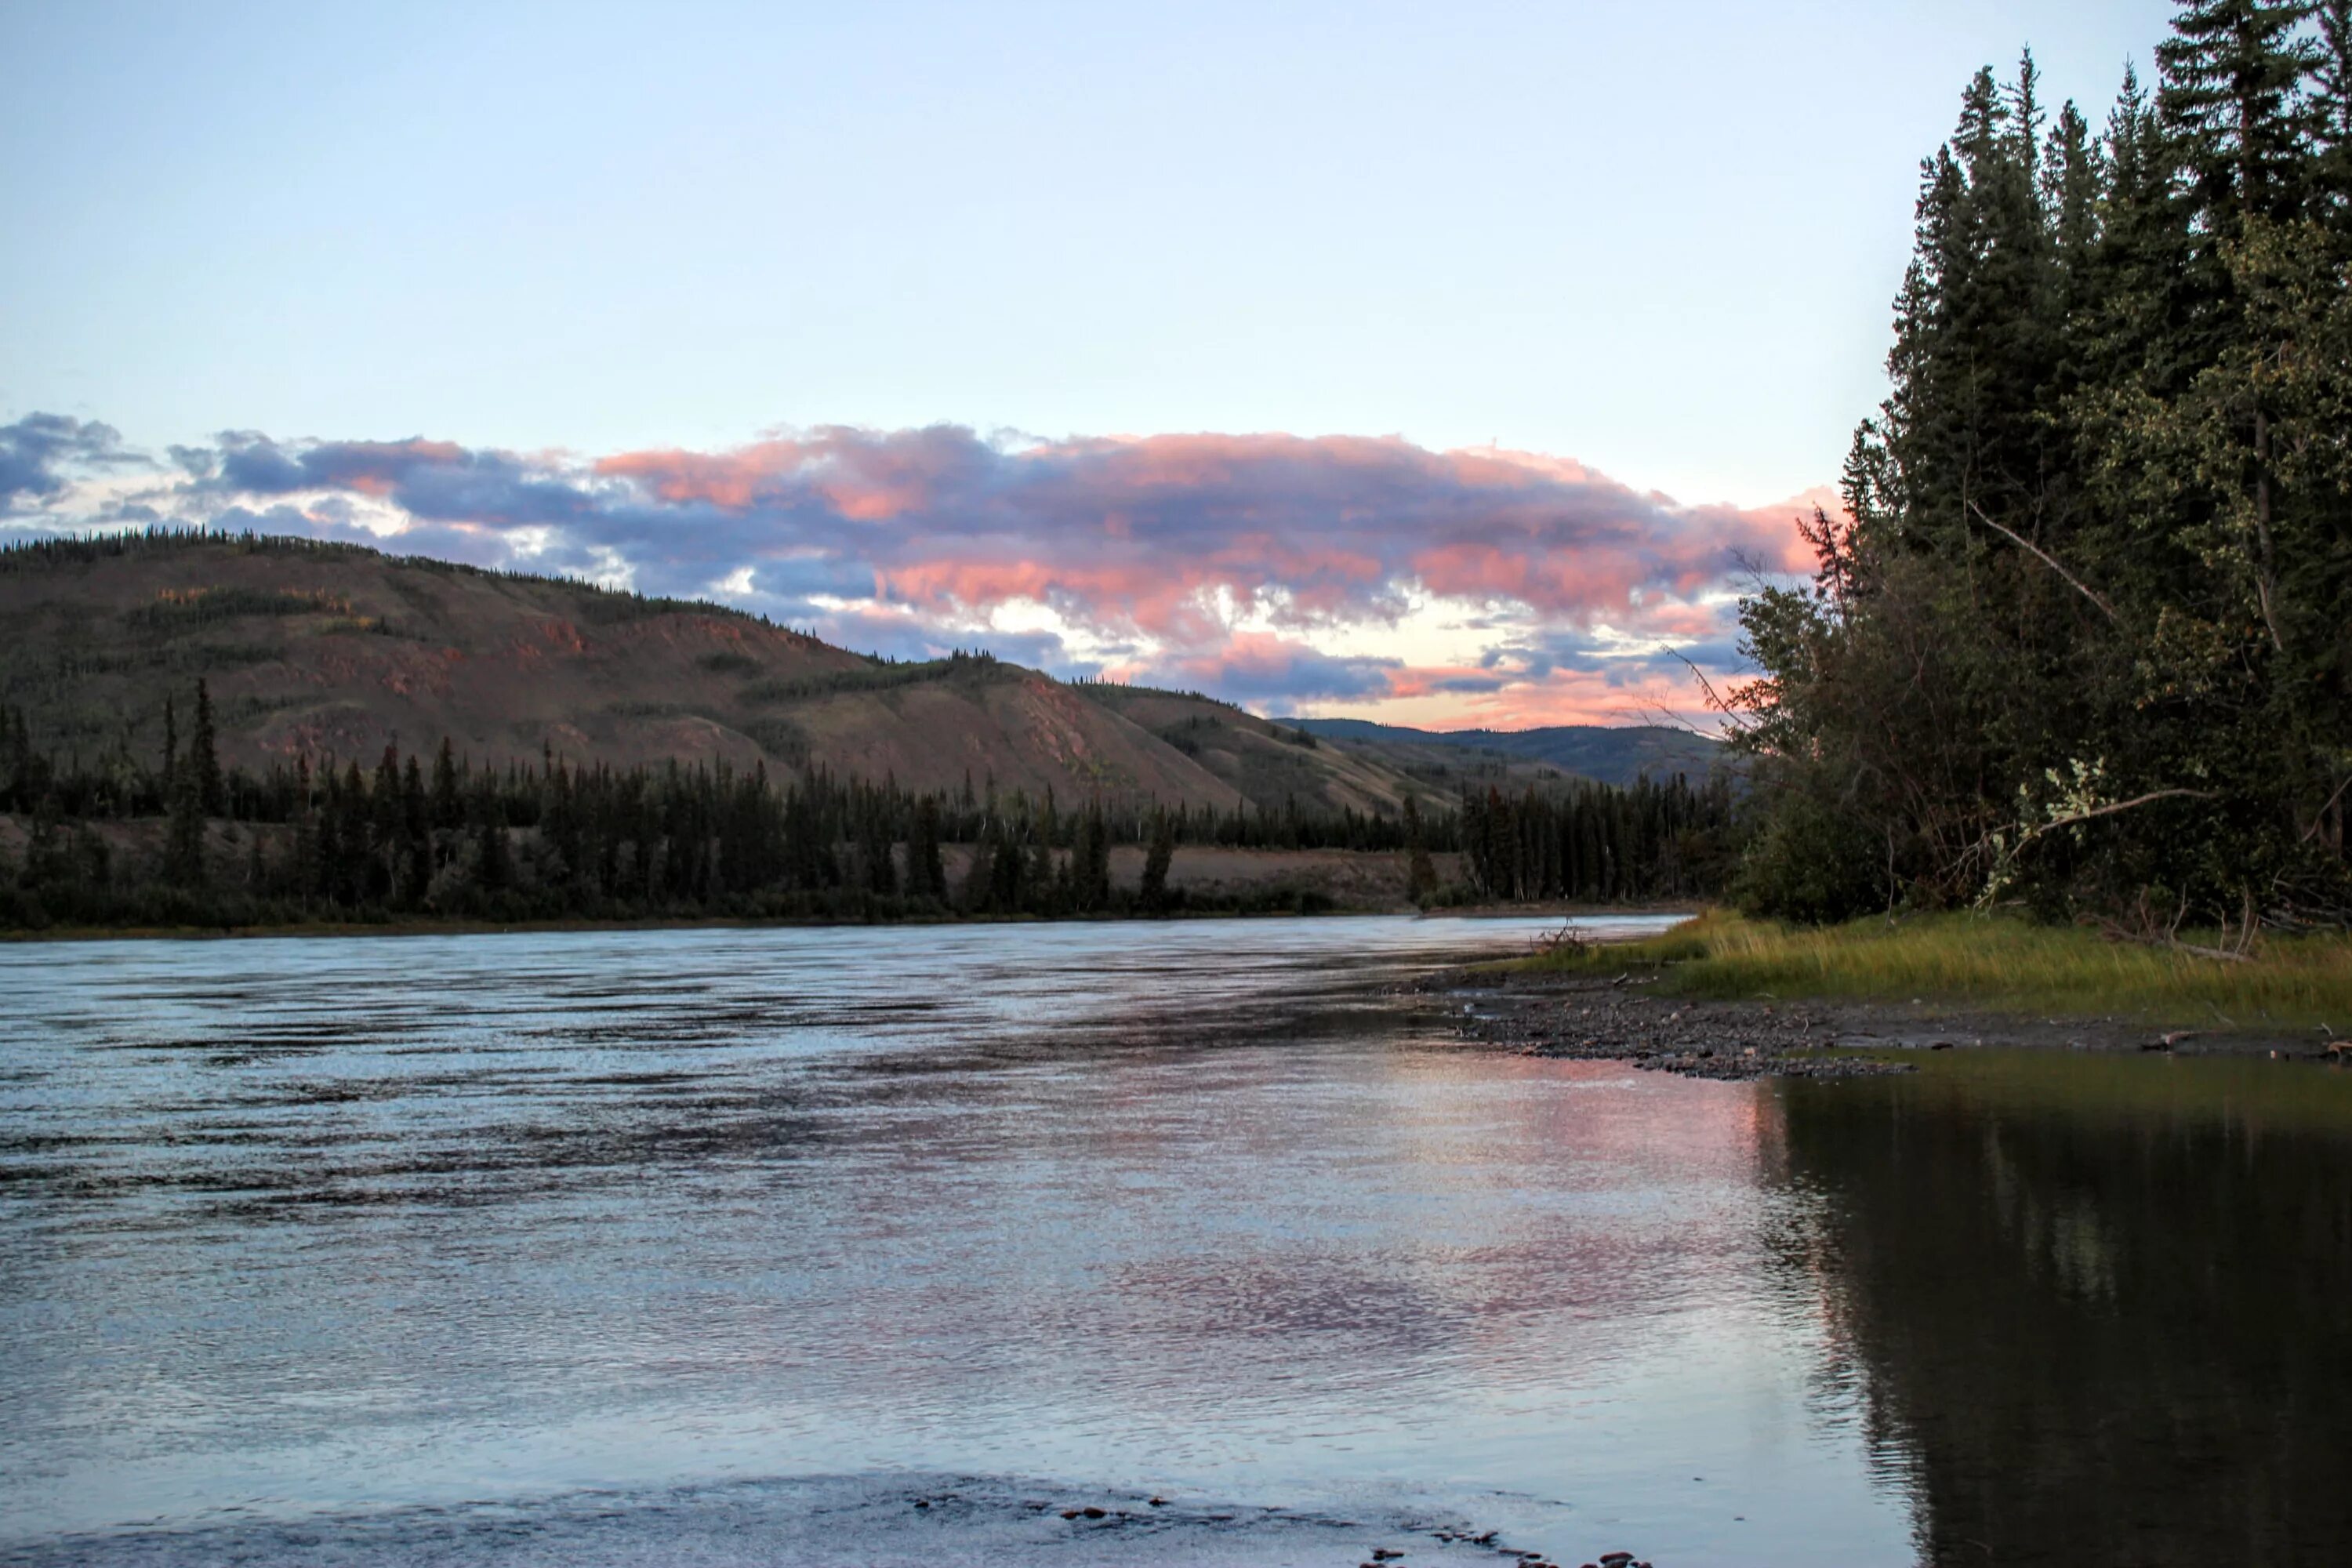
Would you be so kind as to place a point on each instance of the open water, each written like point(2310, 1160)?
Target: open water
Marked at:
point(896, 1244)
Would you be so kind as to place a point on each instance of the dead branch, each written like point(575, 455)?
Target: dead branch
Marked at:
point(2047, 560)
point(1706, 689)
point(2071, 818)
point(2319, 820)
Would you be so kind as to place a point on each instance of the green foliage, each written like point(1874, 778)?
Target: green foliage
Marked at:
point(727, 661)
point(2080, 638)
point(203, 606)
point(1810, 863)
point(878, 677)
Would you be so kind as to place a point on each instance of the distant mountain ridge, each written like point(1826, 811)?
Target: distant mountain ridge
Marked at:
point(1616, 754)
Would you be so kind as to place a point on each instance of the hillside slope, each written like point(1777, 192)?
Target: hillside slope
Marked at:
point(339, 650)
point(1610, 753)
point(1273, 764)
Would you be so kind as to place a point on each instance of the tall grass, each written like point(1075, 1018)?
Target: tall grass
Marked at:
point(1995, 962)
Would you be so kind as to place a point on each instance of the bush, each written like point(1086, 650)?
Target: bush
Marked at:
point(1812, 864)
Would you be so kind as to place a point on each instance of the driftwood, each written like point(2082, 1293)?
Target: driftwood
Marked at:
point(2147, 930)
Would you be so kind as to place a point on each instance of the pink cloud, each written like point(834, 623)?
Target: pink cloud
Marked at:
point(1164, 539)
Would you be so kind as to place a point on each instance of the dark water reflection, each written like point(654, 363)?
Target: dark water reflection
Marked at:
point(735, 1245)
point(2103, 1306)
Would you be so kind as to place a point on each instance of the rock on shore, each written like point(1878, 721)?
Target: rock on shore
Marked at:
point(1590, 1018)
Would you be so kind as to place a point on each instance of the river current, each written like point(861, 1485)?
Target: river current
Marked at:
point(899, 1244)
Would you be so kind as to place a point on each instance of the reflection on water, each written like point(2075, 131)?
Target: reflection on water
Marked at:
point(741, 1245)
point(2103, 1305)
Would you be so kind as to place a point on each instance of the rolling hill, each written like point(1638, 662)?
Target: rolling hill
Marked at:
point(1267, 761)
point(1612, 754)
point(333, 649)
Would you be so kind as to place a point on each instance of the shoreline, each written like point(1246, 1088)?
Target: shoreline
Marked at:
point(1588, 1017)
point(410, 927)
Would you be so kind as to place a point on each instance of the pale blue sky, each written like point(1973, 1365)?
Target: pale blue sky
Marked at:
point(1662, 239)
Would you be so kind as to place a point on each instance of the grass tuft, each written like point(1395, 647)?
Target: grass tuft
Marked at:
point(1990, 961)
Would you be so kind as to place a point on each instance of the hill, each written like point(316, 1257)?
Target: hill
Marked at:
point(333, 649)
point(1271, 763)
point(1610, 753)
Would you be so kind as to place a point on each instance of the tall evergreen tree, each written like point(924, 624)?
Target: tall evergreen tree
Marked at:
point(2233, 74)
point(2094, 554)
point(203, 757)
point(1158, 857)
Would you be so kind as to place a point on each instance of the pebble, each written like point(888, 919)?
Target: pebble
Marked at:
point(1728, 1042)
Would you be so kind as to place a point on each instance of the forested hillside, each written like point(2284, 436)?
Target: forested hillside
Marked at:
point(329, 650)
point(181, 839)
point(2081, 639)
point(203, 730)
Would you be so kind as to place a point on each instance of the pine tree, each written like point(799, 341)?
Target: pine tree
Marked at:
point(2233, 95)
point(1420, 876)
point(1090, 860)
point(171, 754)
point(2095, 532)
point(1158, 858)
point(183, 843)
point(2331, 115)
point(983, 875)
point(926, 879)
point(449, 805)
point(204, 759)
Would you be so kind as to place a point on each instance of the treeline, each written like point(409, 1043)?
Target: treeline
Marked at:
point(2081, 641)
point(1598, 844)
point(193, 843)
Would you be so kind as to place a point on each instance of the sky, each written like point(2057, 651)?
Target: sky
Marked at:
point(1453, 364)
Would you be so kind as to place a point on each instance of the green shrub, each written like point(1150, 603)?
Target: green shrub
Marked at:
point(1812, 865)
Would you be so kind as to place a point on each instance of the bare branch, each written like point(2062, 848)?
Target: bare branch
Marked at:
point(2319, 820)
point(1732, 728)
point(2047, 560)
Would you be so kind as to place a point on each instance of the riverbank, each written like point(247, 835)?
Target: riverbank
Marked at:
point(1725, 997)
point(414, 925)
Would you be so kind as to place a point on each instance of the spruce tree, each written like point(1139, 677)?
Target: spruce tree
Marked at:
point(449, 805)
point(203, 758)
point(183, 843)
point(2233, 95)
point(2331, 114)
point(171, 754)
point(926, 879)
point(1420, 876)
point(982, 877)
point(1157, 858)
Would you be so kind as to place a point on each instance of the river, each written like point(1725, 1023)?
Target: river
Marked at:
point(898, 1244)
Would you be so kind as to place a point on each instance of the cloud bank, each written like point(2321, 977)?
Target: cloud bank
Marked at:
point(1365, 575)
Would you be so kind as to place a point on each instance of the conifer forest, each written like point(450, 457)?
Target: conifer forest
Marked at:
point(2081, 642)
point(178, 840)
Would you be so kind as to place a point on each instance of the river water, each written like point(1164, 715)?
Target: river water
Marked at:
point(896, 1244)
